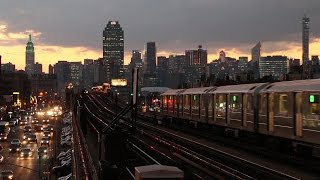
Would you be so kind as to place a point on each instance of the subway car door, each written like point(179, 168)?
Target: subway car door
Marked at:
point(297, 101)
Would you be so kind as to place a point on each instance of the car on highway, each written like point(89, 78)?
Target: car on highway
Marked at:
point(34, 120)
point(1, 158)
point(12, 123)
point(6, 174)
point(14, 148)
point(43, 150)
point(25, 152)
point(27, 128)
point(3, 137)
point(23, 122)
point(45, 120)
point(50, 127)
point(45, 141)
point(16, 119)
point(38, 127)
point(26, 135)
point(32, 138)
point(46, 134)
point(15, 142)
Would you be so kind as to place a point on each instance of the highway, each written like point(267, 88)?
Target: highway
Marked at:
point(26, 168)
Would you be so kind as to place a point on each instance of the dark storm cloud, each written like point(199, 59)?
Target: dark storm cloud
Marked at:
point(173, 24)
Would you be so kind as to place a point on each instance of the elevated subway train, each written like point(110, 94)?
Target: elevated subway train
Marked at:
point(288, 109)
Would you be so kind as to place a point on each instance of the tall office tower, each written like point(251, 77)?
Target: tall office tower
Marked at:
point(256, 52)
point(88, 73)
point(98, 72)
point(255, 58)
point(76, 69)
point(62, 70)
point(162, 69)
point(51, 70)
point(314, 60)
point(37, 68)
point(243, 64)
point(196, 57)
point(151, 57)
point(305, 40)
point(8, 67)
point(29, 57)
point(275, 66)
point(113, 51)
point(136, 57)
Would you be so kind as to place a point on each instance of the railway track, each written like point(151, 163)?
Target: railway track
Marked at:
point(202, 157)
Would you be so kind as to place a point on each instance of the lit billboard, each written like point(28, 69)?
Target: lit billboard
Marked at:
point(119, 82)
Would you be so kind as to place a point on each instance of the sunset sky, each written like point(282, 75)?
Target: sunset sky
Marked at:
point(72, 30)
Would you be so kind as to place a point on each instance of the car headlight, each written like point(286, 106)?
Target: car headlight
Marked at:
point(5, 137)
point(45, 150)
point(18, 149)
point(10, 149)
point(29, 139)
point(24, 137)
point(29, 153)
point(10, 177)
point(21, 155)
point(41, 141)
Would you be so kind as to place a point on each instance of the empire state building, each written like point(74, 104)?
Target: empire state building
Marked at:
point(29, 57)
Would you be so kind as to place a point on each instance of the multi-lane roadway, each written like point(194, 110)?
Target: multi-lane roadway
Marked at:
point(28, 168)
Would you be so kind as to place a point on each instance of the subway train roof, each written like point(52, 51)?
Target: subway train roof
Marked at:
point(172, 92)
point(295, 86)
point(201, 90)
point(241, 88)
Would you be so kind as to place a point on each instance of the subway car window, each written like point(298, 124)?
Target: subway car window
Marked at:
point(195, 101)
point(164, 101)
point(221, 105)
point(283, 104)
point(186, 102)
point(175, 101)
point(202, 101)
point(250, 103)
point(263, 104)
point(235, 102)
point(314, 104)
point(311, 117)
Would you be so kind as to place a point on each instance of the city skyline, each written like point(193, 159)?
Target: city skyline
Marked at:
point(57, 40)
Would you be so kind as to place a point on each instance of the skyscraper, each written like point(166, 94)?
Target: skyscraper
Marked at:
point(196, 57)
point(37, 68)
point(113, 50)
point(256, 52)
point(29, 57)
point(275, 66)
point(88, 73)
point(151, 57)
point(50, 69)
point(305, 40)
point(255, 58)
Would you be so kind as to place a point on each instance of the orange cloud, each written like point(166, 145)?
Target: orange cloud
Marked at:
point(12, 50)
